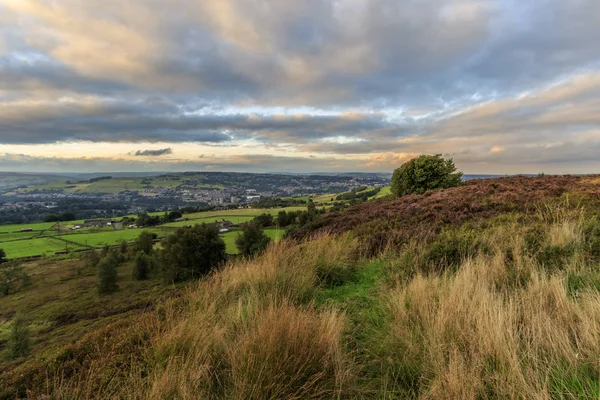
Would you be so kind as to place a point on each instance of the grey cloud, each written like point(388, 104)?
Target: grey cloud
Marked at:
point(157, 119)
point(154, 153)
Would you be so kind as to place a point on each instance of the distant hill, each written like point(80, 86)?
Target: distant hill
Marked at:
point(10, 180)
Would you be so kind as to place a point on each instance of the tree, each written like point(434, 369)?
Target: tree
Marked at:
point(19, 340)
point(50, 218)
point(123, 247)
point(264, 220)
point(107, 273)
point(424, 173)
point(283, 219)
point(252, 240)
point(145, 242)
point(142, 266)
point(67, 216)
point(192, 252)
point(311, 208)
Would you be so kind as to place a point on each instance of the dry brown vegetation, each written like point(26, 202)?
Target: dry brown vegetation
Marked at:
point(508, 307)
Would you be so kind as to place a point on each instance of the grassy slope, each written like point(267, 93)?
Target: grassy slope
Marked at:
point(501, 305)
point(61, 303)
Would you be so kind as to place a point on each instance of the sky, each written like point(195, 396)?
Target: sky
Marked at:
point(500, 86)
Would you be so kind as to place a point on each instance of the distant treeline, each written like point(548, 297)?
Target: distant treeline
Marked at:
point(360, 193)
point(268, 202)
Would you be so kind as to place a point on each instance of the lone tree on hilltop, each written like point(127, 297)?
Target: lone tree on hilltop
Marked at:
point(424, 173)
point(252, 240)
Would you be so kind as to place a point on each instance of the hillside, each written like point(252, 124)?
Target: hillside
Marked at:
point(11, 180)
point(488, 290)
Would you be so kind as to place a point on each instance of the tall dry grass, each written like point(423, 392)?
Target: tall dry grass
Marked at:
point(504, 325)
point(249, 331)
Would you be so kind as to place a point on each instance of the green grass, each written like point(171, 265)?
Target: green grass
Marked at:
point(35, 247)
point(99, 239)
point(236, 219)
point(9, 237)
point(383, 192)
point(37, 226)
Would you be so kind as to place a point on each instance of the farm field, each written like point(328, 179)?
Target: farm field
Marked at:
point(9, 237)
point(47, 239)
point(39, 226)
point(99, 239)
point(35, 247)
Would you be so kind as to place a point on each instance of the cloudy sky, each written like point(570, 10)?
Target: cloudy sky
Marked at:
point(502, 86)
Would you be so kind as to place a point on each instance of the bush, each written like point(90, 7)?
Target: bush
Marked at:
point(19, 341)
point(252, 240)
point(142, 266)
point(192, 252)
point(424, 173)
point(3, 258)
point(107, 273)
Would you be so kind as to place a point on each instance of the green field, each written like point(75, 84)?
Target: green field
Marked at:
point(35, 247)
point(8, 237)
point(99, 239)
point(47, 239)
point(238, 216)
point(38, 226)
point(383, 192)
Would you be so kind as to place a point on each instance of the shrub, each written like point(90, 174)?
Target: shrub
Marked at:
point(19, 341)
point(107, 273)
point(3, 258)
point(424, 173)
point(252, 240)
point(192, 252)
point(142, 266)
